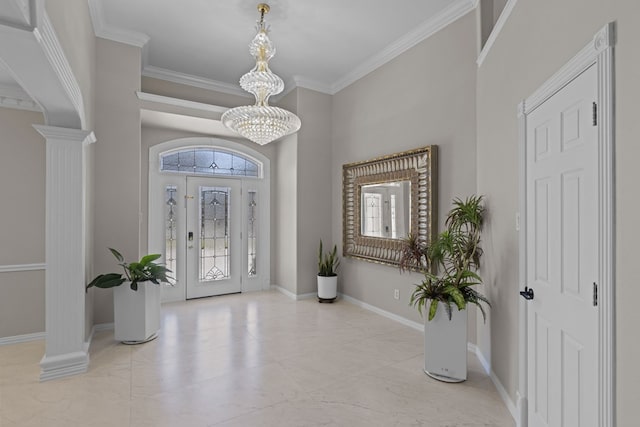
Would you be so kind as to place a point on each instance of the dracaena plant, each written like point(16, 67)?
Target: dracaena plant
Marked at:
point(145, 270)
point(327, 262)
point(450, 262)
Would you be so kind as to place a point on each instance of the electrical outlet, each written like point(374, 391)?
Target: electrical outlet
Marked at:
point(396, 293)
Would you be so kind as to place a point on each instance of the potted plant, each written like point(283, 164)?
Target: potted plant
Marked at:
point(136, 306)
point(450, 267)
point(327, 278)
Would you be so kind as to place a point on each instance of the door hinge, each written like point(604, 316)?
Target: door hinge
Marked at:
point(595, 114)
point(595, 294)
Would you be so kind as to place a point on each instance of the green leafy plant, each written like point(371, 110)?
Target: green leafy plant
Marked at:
point(327, 262)
point(145, 270)
point(413, 254)
point(450, 263)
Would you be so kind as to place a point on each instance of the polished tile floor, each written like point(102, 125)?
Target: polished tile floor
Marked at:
point(257, 359)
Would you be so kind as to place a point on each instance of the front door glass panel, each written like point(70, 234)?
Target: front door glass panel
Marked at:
point(214, 233)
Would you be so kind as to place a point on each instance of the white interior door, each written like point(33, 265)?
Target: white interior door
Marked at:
point(214, 246)
point(562, 227)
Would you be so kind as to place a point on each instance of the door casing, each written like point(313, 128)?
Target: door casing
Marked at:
point(157, 181)
point(598, 52)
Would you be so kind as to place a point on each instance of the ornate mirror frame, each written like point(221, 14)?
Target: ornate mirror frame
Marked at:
point(419, 167)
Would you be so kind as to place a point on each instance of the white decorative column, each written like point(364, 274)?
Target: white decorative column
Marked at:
point(65, 251)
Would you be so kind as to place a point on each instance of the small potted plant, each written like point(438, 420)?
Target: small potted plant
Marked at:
point(327, 278)
point(449, 267)
point(136, 306)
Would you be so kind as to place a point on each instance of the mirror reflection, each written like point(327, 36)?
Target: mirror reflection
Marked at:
point(386, 210)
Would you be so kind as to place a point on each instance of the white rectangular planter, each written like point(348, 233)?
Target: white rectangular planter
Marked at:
point(136, 313)
point(445, 345)
point(327, 287)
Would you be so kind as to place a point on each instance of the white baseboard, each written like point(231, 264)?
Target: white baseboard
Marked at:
point(16, 339)
point(384, 313)
point(96, 328)
point(420, 327)
point(292, 295)
point(470, 347)
point(496, 382)
point(103, 327)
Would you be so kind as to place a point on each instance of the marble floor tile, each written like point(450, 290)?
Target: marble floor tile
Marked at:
point(256, 359)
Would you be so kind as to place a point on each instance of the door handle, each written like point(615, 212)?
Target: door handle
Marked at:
point(527, 293)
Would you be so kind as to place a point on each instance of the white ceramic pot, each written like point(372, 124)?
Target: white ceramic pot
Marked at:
point(327, 287)
point(445, 345)
point(136, 313)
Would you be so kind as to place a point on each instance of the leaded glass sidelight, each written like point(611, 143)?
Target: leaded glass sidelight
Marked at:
point(170, 227)
point(251, 234)
point(214, 233)
point(209, 161)
point(372, 214)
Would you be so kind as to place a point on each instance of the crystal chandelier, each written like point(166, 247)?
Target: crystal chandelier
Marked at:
point(261, 123)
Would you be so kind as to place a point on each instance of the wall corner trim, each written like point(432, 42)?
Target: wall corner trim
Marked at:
point(497, 28)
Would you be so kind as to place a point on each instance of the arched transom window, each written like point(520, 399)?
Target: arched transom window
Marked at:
point(209, 161)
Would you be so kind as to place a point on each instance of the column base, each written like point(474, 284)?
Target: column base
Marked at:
point(63, 365)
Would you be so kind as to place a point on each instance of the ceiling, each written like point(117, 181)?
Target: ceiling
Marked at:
point(323, 46)
point(320, 45)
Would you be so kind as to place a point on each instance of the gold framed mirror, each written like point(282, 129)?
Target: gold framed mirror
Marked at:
point(385, 199)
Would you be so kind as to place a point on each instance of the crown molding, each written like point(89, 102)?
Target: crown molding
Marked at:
point(191, 80)
point(105, 31)
point(426, 30)
point(449, 15)
point(15, 97)
point(502, 19)
point(303, 82)
point(177, 102)
point(23, 16)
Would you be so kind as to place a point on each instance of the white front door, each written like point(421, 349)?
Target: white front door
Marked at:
point(214, 245)
point(562, 257)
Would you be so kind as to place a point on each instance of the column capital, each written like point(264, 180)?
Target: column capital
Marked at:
point(85, 137)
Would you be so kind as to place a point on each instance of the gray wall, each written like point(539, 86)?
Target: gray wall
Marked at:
point(539, 37)
point(117, 166)
point(424, 96)
point(286, 218)
point(313, 185)
point(22, 222)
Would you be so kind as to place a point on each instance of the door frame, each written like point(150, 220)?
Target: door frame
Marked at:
point(262, 185)
point(598, 52)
